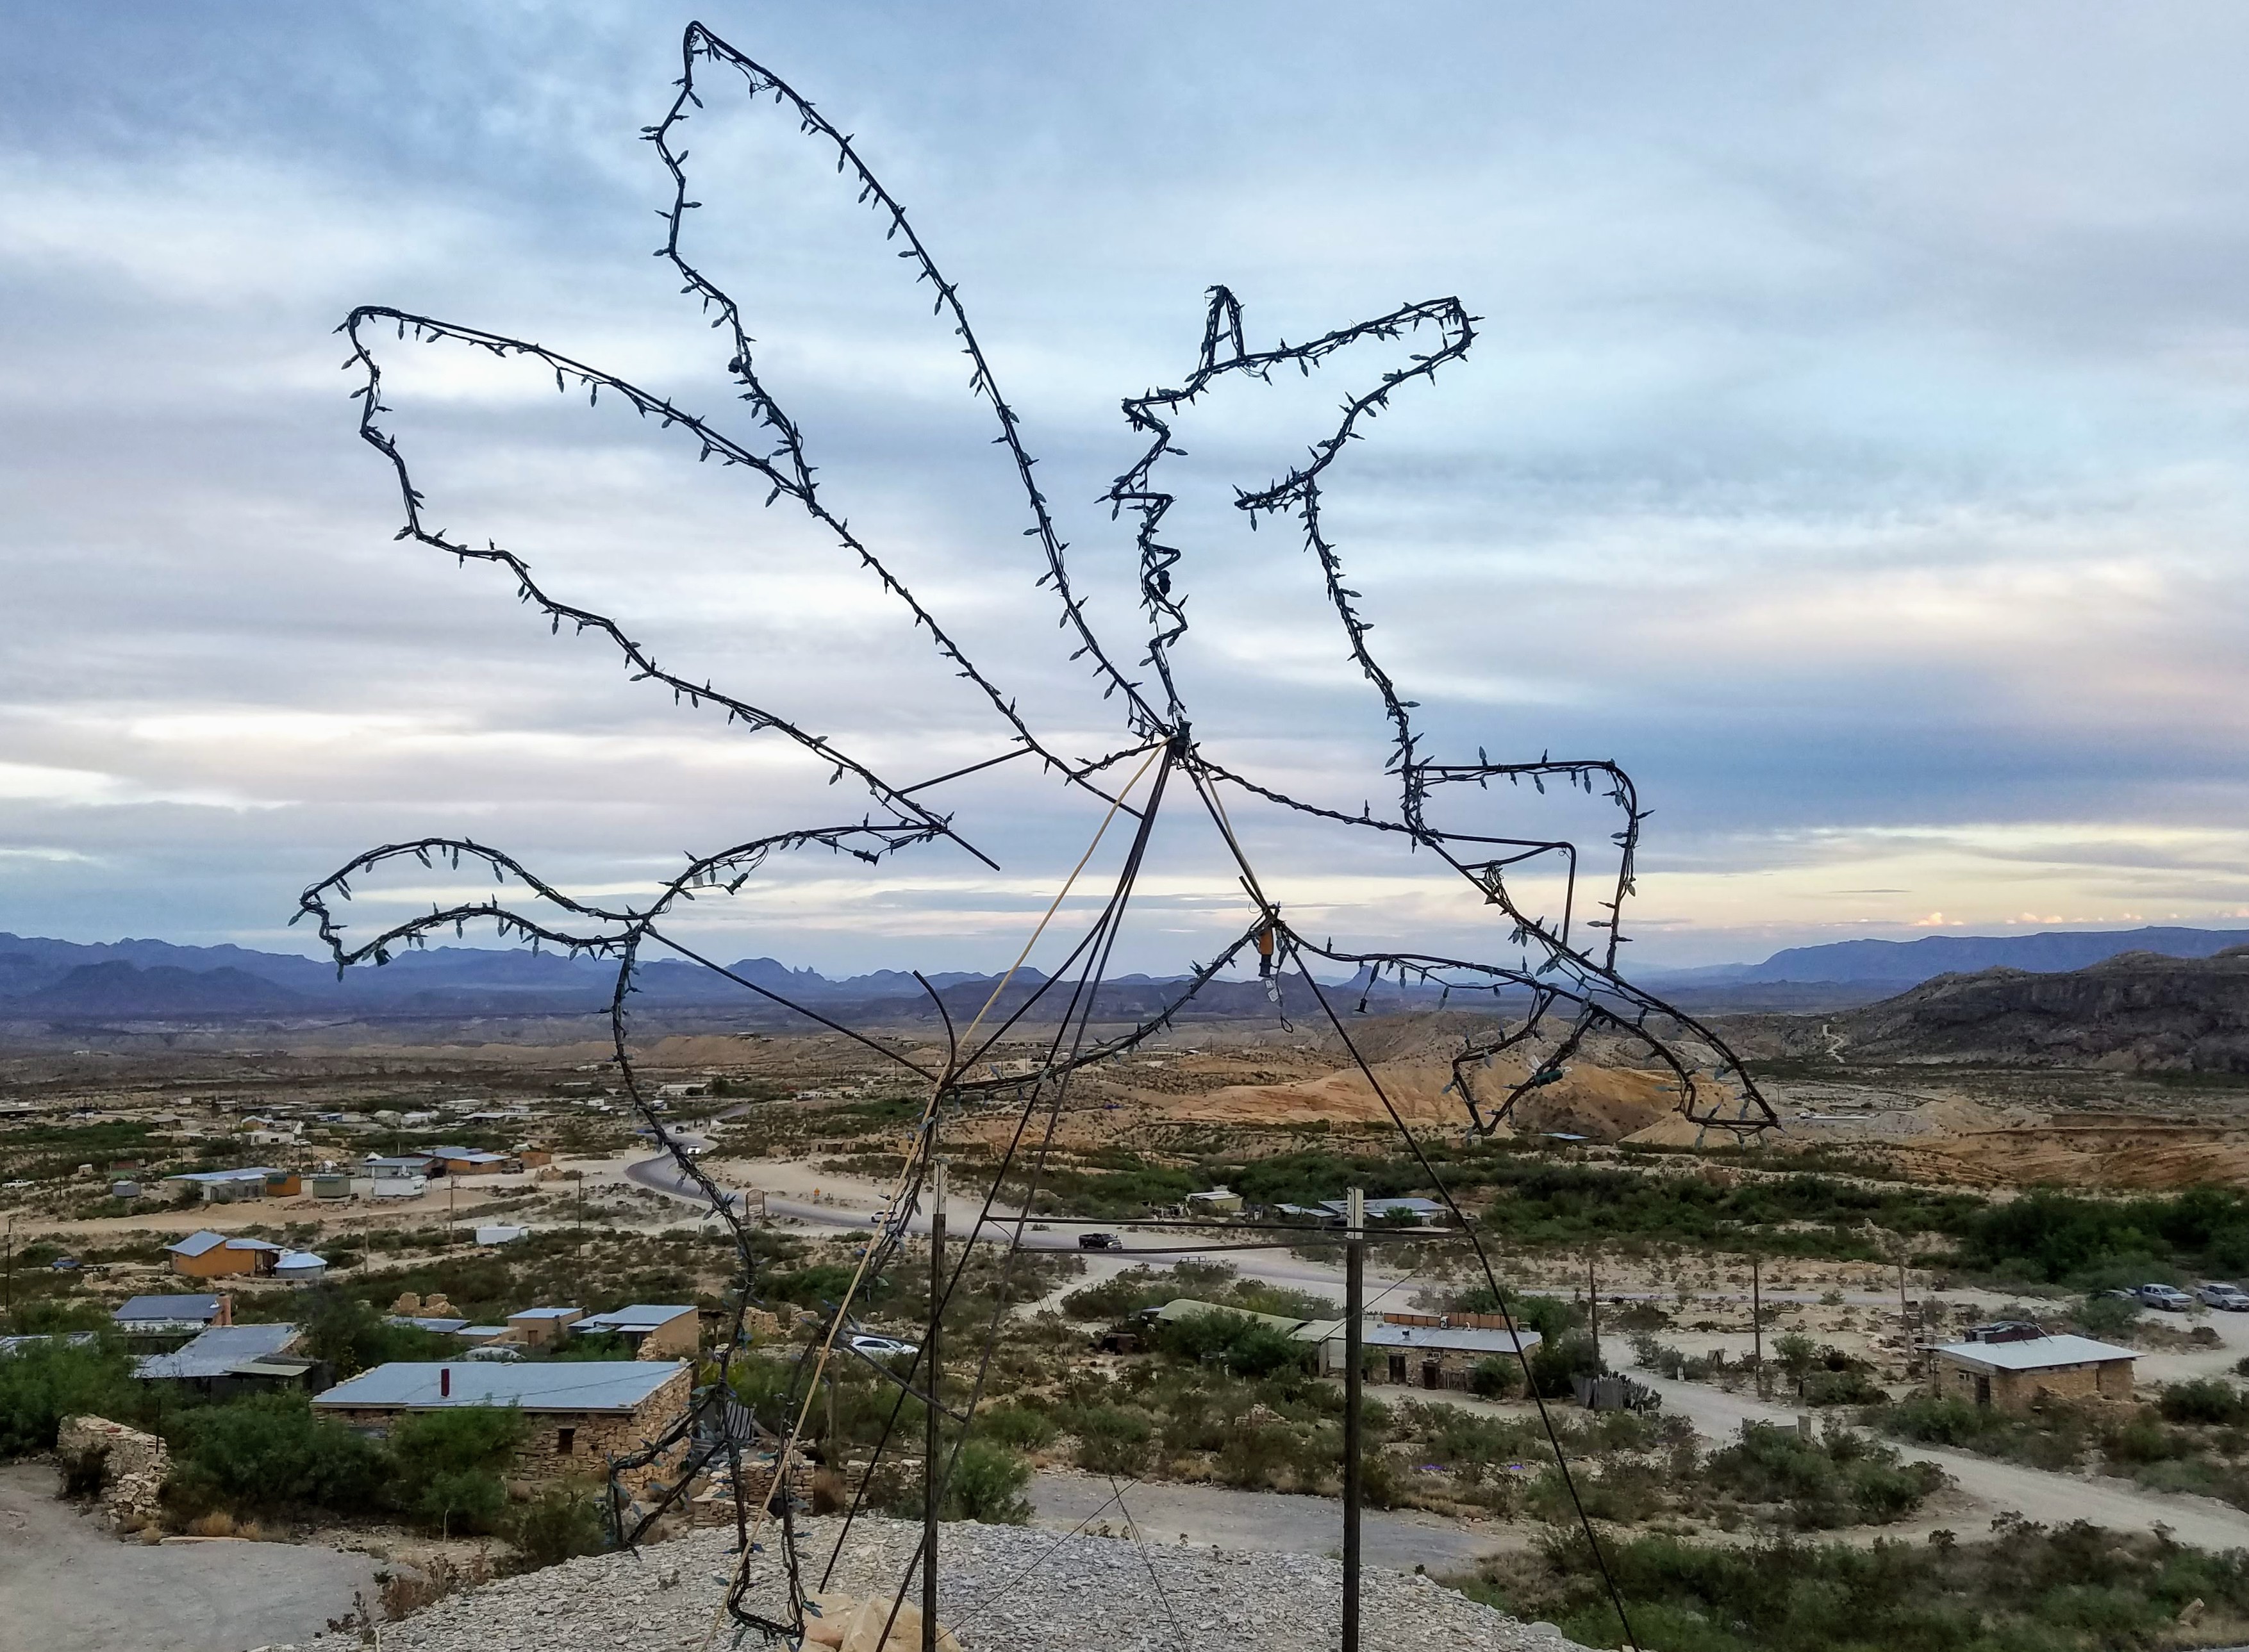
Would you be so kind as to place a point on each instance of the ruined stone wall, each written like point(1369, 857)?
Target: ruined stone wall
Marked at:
point(133, 1468)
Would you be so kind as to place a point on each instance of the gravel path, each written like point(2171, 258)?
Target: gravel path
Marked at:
point(1004, 1589)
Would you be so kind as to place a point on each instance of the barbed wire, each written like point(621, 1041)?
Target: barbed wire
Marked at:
point(1546, 1006)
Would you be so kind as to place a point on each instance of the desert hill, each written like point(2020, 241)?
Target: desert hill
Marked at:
point(2138, 1011)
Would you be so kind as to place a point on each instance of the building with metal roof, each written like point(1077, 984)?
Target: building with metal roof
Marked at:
point(210, 1255)
point(654, 1329)
point(228, 1357)
point(159, 1314)
point(543, 1386)
point(2015, 1373)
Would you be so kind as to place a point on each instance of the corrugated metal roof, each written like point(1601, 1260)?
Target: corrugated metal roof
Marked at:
point(202, 1309)
point(428, 1322)
point(247, 1173)
point(640, 1316)
point(1446, 1338)
point(1187, 1308)
point(2035, 1354)
point(558, 1385)
point(217, 1351)
point(196, 1243)
point(543, 1313)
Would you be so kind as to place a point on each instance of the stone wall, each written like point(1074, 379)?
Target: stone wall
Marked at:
point(2020, 1390)
point(133, 1469)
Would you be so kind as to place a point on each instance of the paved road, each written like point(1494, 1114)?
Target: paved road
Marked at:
point(1268, 1522)
point(2036, 1494)
point(67, 1585)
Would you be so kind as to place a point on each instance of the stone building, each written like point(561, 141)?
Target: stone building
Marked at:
point(577, 1413)
point(654, 1330)
point(2015, 1372)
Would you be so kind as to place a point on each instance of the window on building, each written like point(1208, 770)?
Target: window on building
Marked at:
point(566, 1441)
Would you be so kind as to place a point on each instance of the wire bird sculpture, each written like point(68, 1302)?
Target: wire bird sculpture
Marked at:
point(1561, 992)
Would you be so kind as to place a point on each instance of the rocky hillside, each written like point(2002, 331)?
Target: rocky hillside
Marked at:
point(2135, 1012)
point(1006, 1589)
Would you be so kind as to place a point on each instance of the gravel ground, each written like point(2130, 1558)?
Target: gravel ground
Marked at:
point(1004, 1589)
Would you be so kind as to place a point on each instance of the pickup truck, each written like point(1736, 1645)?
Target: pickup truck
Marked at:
point(2166, 1297)
point(1099, 1242)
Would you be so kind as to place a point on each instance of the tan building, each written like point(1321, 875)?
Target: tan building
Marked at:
point(541, 1327)
point(654, 1330)
point(577, 1413)
point(2015, 1372)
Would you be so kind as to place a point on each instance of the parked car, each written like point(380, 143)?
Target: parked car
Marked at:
point(882, 1347)
point(2219, 1294)
point(1099, 1242)
point(2166, 1297)
point(494, 1353)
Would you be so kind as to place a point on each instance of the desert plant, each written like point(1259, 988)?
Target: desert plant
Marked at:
point(560, 1523)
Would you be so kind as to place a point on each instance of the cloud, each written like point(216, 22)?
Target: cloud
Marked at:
point(1852, 449)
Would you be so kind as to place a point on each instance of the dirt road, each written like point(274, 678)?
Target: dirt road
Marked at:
point(2054, 1499)
point(67, 1585)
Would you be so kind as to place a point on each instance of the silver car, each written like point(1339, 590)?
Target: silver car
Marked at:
point(2231, 1297)
point(2168, 1297)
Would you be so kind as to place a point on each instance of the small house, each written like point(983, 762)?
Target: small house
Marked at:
point(654, 1330)
point(1215, 1202)
point(170, 1315)
point(543, 1327)
point(2015, 1372)
point(465, 1162)
point(233, 1359)
point(301, 1267)
point(212, 1255)
point(399, 1167)
point(579, 1412)
point(221, 1186)
point(1422, 1356)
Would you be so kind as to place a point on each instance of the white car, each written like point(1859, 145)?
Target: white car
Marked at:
point(882, 1347)
point(2219, 1294)
point(2168, 1297)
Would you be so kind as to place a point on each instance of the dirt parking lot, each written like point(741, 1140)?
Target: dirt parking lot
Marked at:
point(67, 1585)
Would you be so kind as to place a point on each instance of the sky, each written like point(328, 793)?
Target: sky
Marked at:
point(1852, 448)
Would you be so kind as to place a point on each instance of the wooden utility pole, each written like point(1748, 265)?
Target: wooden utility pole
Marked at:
point(931, 1444)
point(1354, 1305)
point(1593, 1310)
point(1757, 1326)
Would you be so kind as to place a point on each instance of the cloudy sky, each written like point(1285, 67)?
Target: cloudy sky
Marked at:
point(1854, 448)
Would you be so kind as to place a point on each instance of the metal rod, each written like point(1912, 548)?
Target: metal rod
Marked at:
point(1593, 1312)
point(930, 1447)
point(1354, 1306)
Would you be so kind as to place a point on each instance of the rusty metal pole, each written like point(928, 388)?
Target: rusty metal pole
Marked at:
point(931, 1446)
point(1756, 1329)
point(1354, 1303)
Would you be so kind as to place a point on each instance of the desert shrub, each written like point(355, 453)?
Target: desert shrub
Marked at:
point(2107, 1316)
point(1254, 1454)
point(560, 1523)
point(2053, 1437)
point(450, 1464)
point(272, 1453)
point(43, 1382)
point(1110, 1440)
point(1554, 1363)
point(2204, 1400)
point(426, 1580)
point(1853, 1385)
point(1016, 1426)
point(987, 1486)
point(1495, 1378)
point(1795, 1353)
point(1247, 1347)
point(352, 1336)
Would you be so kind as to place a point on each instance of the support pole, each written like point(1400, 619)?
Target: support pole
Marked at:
point(1757, 1328)
point(1354, 1305)
point(932, 1447)
point(1593, 1312)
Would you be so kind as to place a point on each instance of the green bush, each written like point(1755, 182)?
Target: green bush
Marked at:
point(1554, 1363)
point(1247, 1347)
point(1110, 1441)
point(561, 1524)
point(987, 1486)
point(1495, 1378)
point(43, 1382)
point(1016, 1426)
point(2107, 1316)
point(2204, 1400)
point(272, 1453)
point(450, 1464)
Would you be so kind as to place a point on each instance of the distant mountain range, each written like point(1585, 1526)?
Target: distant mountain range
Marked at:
point(46, 980)
point(1904, 964)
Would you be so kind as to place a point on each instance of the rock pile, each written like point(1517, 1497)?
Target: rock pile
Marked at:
point(1004, 1589)
point(133, 1466)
